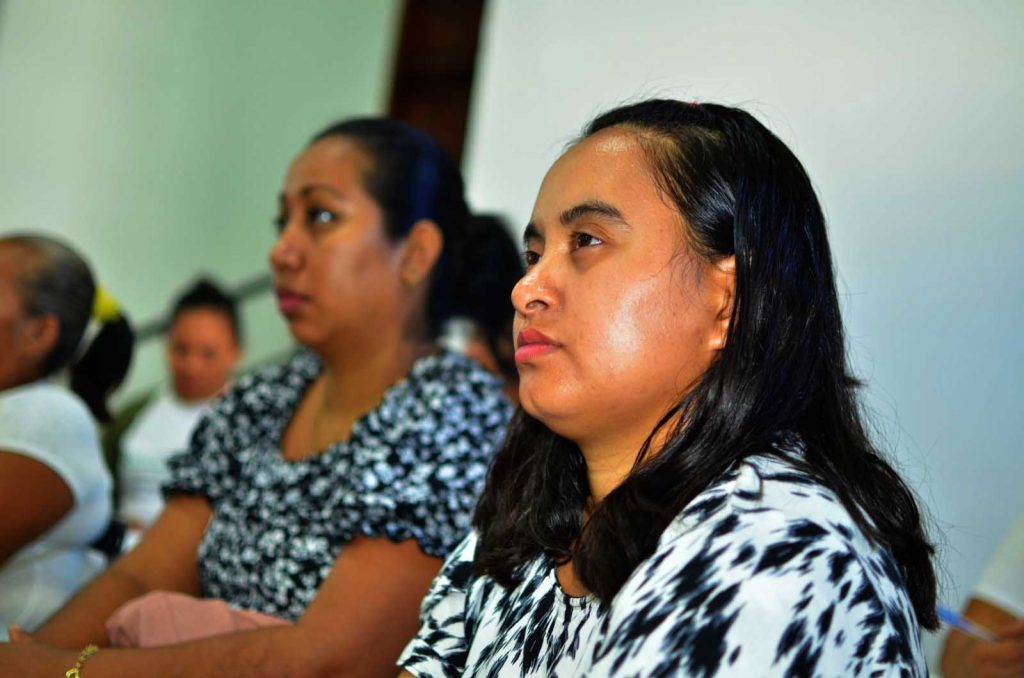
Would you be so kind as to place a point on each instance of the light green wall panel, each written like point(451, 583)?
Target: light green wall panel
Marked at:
point(153, 134)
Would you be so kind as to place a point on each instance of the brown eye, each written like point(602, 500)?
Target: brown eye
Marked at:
point(319, 217)
point(581, 240)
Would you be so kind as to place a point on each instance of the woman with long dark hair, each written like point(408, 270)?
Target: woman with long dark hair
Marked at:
point(688, 488)
point(318, 499)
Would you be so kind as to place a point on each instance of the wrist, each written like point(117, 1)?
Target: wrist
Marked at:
point(80, 660)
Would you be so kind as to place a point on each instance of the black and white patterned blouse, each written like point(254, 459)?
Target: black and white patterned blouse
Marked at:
point(411, 469)
point(764, 574)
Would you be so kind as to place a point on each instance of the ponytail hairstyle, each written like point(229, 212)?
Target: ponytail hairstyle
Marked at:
point(56, 281)
point(412, 178)
point(783, 370)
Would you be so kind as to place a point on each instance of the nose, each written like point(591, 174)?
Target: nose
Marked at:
point(286, 252)
point(535, 291)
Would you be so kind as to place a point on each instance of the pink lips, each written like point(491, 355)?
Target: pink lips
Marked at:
point(289, 302)
point(531, 344)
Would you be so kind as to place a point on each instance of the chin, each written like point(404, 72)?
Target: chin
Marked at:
point(306, 336)
point(191, 394)
point(550, 411)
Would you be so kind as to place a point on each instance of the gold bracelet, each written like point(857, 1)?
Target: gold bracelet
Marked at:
point(74, 671)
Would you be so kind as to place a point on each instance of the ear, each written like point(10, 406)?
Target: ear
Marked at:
point(722, 279)
point(421, 249)
point(40, 334)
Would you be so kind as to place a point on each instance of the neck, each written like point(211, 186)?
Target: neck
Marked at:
point(608, 464)
point(610, 458)
point(354, 385)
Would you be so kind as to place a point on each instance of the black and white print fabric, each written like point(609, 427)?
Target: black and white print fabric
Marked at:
point(411, 469)
point(764, 574)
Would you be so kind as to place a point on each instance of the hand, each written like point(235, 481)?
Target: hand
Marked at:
point(1003, 658)
point(26, 656)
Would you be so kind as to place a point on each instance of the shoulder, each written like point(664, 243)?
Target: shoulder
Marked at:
point(268, 392)
point(771, 518)
point(44, 410)
point(48, 423)
point(267, 385)
point(43, 393)
point(452, 375)
point(767, 568)
point(449, 392)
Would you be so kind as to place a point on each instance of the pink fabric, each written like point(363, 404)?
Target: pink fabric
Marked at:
point(164, 618)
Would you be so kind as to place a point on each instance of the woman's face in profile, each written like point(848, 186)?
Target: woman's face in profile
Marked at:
point(336, 273)
point(202, 352)
point(22, 348)
point(12, 317)
point(616, 317)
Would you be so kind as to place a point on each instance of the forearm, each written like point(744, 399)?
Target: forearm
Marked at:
point(165, 560)
point(284, 651)
point(83, 619)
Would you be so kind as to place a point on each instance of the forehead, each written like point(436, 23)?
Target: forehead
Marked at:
point(610, 166)
point(335, 161)
point(18, 261)
point(201, 319)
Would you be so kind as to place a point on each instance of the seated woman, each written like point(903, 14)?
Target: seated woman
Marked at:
point(54, 485)
point(327, 491)
point(204, 345)
point(689, 488)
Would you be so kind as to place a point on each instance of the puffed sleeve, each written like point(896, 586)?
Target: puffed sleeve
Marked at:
point(439, 648)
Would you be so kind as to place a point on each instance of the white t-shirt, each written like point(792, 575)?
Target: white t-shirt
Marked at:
point(1002, 583)
point(50, 424)
point(162, 428)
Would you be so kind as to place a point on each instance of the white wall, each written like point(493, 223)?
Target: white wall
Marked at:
point(907, 117)
point(154, 135)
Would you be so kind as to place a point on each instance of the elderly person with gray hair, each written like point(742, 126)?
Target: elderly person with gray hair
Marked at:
point(54, 484)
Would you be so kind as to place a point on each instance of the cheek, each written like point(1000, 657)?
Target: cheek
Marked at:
point(629, 328)
point(648, 338)
point(176, 362)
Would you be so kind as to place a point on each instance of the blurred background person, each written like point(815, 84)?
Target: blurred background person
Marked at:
point(997, 604)
point(490, 334)
point(204, 346)
point(54, 486)
point(318, 497)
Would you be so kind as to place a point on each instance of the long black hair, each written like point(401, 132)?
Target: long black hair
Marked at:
point(55, 280)
point(411, 177)
point(783, 370)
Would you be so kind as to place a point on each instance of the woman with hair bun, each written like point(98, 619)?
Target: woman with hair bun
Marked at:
point(318, 498)
point(689, 488)
point(204, 345)
point(54, 484)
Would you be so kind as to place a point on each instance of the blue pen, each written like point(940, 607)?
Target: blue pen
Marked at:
point(961, 623)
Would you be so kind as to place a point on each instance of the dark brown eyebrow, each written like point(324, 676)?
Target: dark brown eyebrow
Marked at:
point(309, 188)
point(590, 208)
